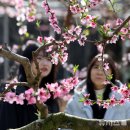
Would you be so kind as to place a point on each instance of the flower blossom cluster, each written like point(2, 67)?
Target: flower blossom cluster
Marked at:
point(59, 55)
point(123, 97)
point(78, 6)
point(63, 88)
point(89, 21)
point(20, 16)
point(123, 33)
point(31, 11)
point(94, 3)
point(75, 9)
point(42, 94)
point(52, 17)
point(73, 34)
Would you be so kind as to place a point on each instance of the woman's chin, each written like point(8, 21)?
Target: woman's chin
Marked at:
point(44, 75)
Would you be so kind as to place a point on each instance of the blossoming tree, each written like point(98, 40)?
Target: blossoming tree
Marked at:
point(109, 34)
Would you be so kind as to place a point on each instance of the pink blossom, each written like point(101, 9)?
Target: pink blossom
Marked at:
point(30, 18)
point(106, 66)
point(42, 95)
point(39, 39)
point(114, 88)
point(52, 87)
point(69, 37)
point(106, 27)
point(119, 21)
point(31, 12)
point(82, 40)
point(112, 101)
point(124, 31)
point(49, 48)
point(93, 24)
point(20, 99)
point(122, 37)
point(75, 81)
point(48, 39)
point(106, 105)
point(88, 102)
point(46, 6)
point(19, 3)
point(52, 17)
point(114, 39)
point(83, 21)
point(86, 95)
point(78, 30)
point(10, 97)
point(32, 100)
point(122, 101)
point(88, 17)
point(100, 48)
point(29, 93)
point(58, 93)
point(75, 9)
point(54, 57)
point(124, 91)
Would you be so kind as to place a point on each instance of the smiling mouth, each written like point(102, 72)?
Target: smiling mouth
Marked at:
point(44, 69)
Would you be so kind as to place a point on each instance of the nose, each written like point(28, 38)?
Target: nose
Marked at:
point(100, 71)
point(44, 62)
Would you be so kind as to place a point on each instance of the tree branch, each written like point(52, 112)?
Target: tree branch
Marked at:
point(22, 60)
point(61, 120)
point(11, 85)
point(114, 33)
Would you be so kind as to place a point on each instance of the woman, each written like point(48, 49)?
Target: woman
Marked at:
point(15, 116)
point(95, 86)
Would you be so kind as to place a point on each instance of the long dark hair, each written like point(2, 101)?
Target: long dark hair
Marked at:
point(99, 112)
point(33, 46)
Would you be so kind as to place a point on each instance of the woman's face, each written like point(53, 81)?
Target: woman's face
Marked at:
point(45, 65)
point(97, 75)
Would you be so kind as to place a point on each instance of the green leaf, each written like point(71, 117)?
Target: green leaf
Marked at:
point(75, 68)
point(128, 85)
point(86, 1)
point(99, 96)
point(81, 100)
point(26, 34)
point(38, 23)
point(86, 32)
point(109, 77)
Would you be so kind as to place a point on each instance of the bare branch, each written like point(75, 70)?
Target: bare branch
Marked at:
point(112, 6)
